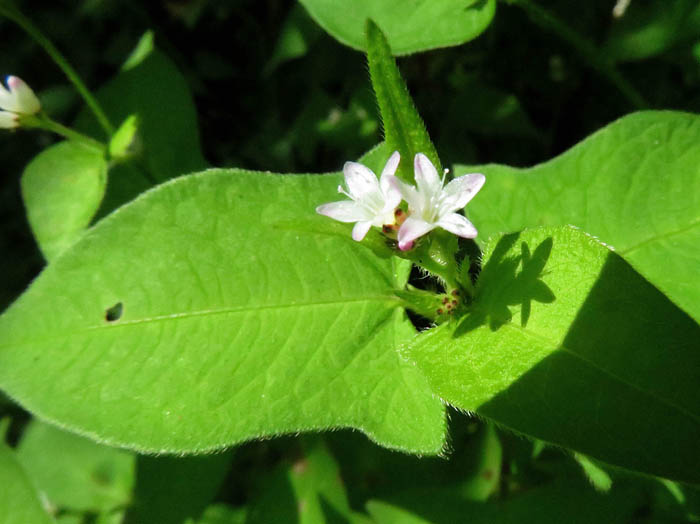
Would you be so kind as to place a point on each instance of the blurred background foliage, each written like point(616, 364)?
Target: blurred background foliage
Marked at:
point(274, 92)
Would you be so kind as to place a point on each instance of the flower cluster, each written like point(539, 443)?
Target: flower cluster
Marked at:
point(16, 100)
point(431, 203)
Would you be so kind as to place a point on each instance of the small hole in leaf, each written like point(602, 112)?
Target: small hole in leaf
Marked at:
point(114, 313)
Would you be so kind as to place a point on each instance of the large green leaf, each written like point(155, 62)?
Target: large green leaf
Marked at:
point(418, 26)
point(75, 473)
point(62, 189)
point(19, 501)
point(193, 318)
point(568, 344)
point(635, 185)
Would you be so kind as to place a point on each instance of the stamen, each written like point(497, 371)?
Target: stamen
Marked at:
point(342, 190)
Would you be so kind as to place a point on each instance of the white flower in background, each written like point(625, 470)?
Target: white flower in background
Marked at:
point(15, 100)
point(372, 202)
point(431, 205)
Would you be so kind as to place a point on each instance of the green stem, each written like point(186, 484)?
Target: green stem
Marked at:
point(584, 48)
point(26, 24)
point(42, 121)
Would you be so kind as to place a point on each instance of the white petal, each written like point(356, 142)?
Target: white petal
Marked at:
point(360, 180)
point(458, 225)
point(360, 230)
point(27, 102)
point(410, 195)
point(8, 100)
point(460, 191)
point(411, 229)
point(8, 120)
point(392, 164)
point(344, 211)
point(427, 177)
point(391, 189)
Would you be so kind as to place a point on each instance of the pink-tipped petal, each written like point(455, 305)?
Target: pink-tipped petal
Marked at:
point(27, 102)
point(8, 120)
point(426, 175)
point(412, 229)
point(360, 230)
point(458, 225)
point(460, 191)
point(343, 211)
point(392, 164)
point(360, 180)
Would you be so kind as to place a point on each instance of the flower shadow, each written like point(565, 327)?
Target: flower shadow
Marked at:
point(509, 279)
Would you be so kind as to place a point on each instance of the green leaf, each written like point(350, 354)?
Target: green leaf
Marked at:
point(170, 490)
point(561, 501)
point(150, 87)
point(635, 185)
point(221, 514)
point(19, 501)
point(297, 34)
point(567, 343)
point(650, 28)
point(62, 189)
point(308, 491)
point(192, 319)
point(74, 472)
point(418, 26)
point(404, 130)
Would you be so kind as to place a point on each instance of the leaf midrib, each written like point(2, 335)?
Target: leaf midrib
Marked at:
point(390, 300)
point(666, 234)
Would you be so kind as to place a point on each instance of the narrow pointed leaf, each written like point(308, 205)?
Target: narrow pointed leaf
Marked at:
point(404, 130)
point(605, 364)
point(193, 319)
point(634, 184)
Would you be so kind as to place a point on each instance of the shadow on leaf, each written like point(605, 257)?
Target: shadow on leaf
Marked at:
point(507, 281)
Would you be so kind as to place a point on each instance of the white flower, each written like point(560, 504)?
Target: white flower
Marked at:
point(431, 205)
point(18, 100)
point(372, 202)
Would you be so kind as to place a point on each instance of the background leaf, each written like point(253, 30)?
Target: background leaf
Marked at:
point(76, 473)
point(650, 28)
point(150, 86)
point(62, 189)
point(635, 185)
point(419, 26)
point(19, 500)
point(561, 501)
point(308, 491)
point(191, 319)
point(170, 490)
point(565, 343)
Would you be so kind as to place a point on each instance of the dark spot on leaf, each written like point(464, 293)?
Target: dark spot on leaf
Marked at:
point(114, 313)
